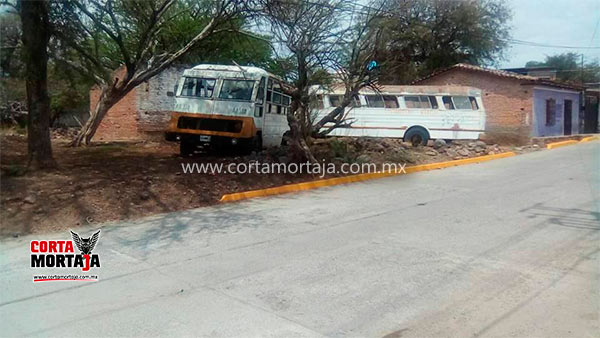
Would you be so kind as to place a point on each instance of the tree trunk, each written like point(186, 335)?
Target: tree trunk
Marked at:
point(108, 98)
point(299, 149)
point(335, 116)
point(36, 34)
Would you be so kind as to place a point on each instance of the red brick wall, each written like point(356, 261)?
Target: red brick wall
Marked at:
point(120, 123)
point(508, 104)
point(143, 113)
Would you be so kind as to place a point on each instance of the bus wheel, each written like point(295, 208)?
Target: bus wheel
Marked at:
point(417, 136)
point(258, 143)
point(285, 140)
point(253, 144)
point(186, 148)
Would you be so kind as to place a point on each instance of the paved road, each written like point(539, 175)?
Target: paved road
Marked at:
point(504, 248)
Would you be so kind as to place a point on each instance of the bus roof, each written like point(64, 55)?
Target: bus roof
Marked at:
point(235, 71)
point(407, 90)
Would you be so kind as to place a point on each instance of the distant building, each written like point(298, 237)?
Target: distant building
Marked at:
point(545, 73)
point(592, 108)
point(143, 113)
point(518, 106)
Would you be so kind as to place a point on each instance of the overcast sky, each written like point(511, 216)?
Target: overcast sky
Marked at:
point(553, 22)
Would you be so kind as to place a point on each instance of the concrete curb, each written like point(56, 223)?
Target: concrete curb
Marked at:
point(561, 144)
point(570, 142)
point(355, 178)
point(589, 139)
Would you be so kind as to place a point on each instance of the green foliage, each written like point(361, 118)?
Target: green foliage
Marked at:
point(10, 42)
point(132, 42)
point(423, 35)
point(189, 17)
point(569, 67)
point(75, 33)
point(341, 151)
point(69, 89)
point(231, 48)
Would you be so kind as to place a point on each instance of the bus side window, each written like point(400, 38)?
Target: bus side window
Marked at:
point(270, 91)
point(448, 102)
point(316, 102)
point(433, 102)
point(374, 101)
point(390, 101)
point(412, 102)
point(334, 100)
point(473, 103)
point(424, 102)
point(461, 102)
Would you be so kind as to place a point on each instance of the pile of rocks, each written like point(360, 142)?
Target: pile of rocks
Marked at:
point(462, 149)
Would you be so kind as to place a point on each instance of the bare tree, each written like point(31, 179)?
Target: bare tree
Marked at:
point(354, 62)
point(325, 43)
point(306, 31)
point(118, 42)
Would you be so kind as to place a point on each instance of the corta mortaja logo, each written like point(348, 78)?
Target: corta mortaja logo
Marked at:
point(61, 254)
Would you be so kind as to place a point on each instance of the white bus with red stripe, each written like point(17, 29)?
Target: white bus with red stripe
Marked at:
point(414, 113)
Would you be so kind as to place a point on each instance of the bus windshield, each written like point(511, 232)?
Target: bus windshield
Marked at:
point(199, 87)
point(237, 90)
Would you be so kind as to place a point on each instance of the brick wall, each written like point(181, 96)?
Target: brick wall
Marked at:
point(120, 123)
point(141, 114)
point(508, 104)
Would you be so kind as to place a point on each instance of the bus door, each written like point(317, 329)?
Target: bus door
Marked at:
point(259, 107)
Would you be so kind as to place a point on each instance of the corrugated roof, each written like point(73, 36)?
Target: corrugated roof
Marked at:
point(527, 79)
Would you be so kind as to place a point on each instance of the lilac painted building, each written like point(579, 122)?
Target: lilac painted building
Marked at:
point(555, 111)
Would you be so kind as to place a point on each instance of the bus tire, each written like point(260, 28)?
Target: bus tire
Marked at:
point(252, 144)
point(417, 136)
point(285, 139)
point(258, 146)
point(186, 148)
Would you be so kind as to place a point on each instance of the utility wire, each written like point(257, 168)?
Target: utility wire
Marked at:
point(545, 45)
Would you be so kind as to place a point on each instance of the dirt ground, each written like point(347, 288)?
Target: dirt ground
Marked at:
point(119, 181)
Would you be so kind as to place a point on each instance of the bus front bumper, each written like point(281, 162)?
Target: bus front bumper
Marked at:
point(207, 128)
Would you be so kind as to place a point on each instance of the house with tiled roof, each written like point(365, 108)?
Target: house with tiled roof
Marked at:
point(518, 106)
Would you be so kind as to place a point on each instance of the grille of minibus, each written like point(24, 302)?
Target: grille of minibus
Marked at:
point(230, 126)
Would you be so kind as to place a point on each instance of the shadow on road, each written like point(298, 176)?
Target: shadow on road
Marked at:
point(179, 227)
point(566, 217)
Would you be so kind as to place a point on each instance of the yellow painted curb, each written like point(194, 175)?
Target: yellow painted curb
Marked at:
point(589, 139)
point(355, 178)
point(560, 144)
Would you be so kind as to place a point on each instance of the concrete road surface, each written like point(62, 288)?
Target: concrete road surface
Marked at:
point(504, 248)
